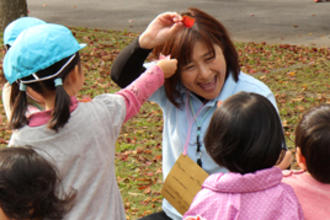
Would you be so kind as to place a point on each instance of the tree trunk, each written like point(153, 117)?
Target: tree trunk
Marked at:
point(11, 10)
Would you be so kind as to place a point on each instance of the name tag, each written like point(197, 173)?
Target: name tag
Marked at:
point(182, 183)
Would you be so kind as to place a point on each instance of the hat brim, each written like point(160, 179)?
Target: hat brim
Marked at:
point(82, 45)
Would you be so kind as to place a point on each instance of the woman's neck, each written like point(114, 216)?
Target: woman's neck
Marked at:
point(202, 99)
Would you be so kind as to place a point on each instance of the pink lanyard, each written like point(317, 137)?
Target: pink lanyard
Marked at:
point(191, 120)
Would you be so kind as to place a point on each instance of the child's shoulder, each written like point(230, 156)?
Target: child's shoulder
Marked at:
point(108, 99)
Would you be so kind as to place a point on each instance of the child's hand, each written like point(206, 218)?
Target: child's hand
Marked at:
point(286, 161)
point(168, 66)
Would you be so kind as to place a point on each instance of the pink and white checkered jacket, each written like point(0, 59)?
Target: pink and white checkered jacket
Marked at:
point(260, 195)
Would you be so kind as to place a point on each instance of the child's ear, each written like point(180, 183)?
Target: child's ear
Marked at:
point(219, 103)
point(301, 160)
point(73, 76)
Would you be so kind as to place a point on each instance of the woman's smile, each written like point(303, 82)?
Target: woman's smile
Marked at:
point(210, 85)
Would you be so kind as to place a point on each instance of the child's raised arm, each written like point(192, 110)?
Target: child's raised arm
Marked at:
point(144, 86)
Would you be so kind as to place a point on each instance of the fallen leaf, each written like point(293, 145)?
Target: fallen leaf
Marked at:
point(292, 74)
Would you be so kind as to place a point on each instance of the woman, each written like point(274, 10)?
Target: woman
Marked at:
point(208, 73)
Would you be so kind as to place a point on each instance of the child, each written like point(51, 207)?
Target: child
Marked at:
point(312, 182)
point(80, 136)
point(245, 136)
point(14, 28)
point(10, 34)
point(29, 186)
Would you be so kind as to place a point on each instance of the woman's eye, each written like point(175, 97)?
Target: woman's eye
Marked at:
point(188, 67)
point(210, 58)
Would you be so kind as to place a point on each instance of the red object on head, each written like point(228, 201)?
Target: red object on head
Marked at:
point(188, 21)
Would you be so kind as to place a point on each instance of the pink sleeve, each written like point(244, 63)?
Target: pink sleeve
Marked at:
point(141, 89)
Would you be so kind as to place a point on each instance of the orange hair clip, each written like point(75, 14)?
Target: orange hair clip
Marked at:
point(188, 21)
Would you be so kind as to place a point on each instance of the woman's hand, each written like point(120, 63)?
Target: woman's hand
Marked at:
point(168, 66)
point(160, 29)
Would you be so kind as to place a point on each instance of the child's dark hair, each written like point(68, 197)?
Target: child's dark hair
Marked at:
point(245, 134)
point(29, 186)
point(6, 47)
point(313, 139)
point(61, 112)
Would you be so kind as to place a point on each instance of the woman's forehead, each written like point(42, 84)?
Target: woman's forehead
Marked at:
point(201, 48)
point(188, 40)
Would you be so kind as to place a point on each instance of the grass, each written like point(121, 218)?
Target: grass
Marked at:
point(298, 76)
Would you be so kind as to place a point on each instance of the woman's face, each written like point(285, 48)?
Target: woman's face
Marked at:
point(205, 74)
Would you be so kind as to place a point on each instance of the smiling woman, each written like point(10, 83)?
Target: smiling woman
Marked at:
point(208, 73)
point(205, 74)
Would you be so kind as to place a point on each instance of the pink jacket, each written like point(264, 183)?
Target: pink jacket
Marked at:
point(313, 196)
point(259, 195)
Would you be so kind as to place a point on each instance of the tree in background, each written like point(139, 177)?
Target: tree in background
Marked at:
point(11, 10)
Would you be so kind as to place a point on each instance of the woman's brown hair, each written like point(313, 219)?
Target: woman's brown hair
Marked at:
point(206, 29)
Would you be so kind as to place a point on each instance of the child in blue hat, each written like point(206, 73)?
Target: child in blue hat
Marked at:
point(30, 186)
point(14, 28)
point(80, 136)
point(10, 34)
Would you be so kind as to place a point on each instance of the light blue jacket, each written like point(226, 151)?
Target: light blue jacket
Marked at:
point(177, 123)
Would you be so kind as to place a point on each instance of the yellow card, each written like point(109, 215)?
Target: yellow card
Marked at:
point(182, 183)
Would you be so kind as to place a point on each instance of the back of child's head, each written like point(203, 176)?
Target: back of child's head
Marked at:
point(245, 134)
point(41, 57)
point(14, 28)
point(209, 31)
point(29, 186)
point(313, 139)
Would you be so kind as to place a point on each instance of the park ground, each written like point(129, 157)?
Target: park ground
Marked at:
point(298, 22)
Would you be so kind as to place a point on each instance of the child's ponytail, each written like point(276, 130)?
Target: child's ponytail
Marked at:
point(61, 112)
point(18, 102)
point(13, 94)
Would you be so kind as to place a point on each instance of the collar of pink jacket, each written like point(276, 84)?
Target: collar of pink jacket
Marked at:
point(238, 183)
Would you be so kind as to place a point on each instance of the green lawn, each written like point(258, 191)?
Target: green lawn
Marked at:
point(298, 76)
